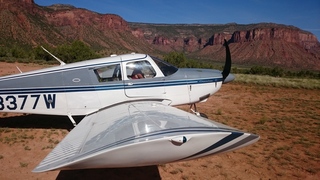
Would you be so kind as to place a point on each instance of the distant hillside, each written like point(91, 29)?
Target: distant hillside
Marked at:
point(261, 44)
point(24, 23)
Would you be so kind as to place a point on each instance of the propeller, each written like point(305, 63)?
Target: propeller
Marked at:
point(227, 65)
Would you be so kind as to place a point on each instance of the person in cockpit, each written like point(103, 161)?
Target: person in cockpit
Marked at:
point(137, 74)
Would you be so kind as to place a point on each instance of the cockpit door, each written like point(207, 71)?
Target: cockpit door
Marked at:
point(141, 80)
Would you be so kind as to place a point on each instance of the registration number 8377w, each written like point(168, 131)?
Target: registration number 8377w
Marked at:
point(18, 102)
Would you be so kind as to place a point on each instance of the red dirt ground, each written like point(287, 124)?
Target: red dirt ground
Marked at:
point(288, 121)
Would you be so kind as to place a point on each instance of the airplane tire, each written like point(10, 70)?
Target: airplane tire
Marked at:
point(203, 115)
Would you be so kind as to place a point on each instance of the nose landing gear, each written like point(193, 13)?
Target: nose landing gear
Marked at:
point(194, 110)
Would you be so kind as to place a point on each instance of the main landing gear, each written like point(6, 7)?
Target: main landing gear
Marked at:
point(196, 112)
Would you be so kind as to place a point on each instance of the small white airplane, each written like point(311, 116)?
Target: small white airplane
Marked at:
point(127, 103)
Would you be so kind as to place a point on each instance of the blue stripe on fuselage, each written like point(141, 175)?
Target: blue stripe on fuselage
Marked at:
point(105, 87)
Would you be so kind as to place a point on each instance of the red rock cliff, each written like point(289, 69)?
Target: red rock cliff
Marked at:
point(292, 35)
point(25, 23)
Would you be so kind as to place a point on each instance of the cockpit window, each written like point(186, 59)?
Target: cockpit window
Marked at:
point(166, 68)
point(109, 73)
point(140, 70)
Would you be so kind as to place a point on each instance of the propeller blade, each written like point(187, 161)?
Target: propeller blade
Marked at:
point(227, 65)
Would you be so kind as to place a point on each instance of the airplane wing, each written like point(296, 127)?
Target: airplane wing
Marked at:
point(141, 133)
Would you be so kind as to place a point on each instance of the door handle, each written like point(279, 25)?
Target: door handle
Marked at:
point(130, 84)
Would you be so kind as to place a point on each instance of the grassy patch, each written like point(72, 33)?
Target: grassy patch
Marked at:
point(278, 82)
point(22, 164)
point(12, 137)
point(27, 148)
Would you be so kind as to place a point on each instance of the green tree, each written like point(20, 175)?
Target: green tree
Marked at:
point(76, 51)
point(3, 52)
point(40, 54)
point(180, 60)
point(277, 72)
point(18, 52)
point(177, 59)
point(64, 52)
point(80, 51)
point(256, 70)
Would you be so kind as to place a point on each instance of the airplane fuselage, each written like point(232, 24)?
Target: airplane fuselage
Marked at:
point(85, 87)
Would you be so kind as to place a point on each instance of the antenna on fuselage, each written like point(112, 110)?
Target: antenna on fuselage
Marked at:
point(60, 61)
point(19, 69)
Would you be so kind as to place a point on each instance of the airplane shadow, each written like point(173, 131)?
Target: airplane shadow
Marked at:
point(62, 122)
point(38, 122)
point(147, 172)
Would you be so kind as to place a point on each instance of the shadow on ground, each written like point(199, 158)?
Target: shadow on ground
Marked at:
point(147, 172)
point(62, 122)
point(38, 122)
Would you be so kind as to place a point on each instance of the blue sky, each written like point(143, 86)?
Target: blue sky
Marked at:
point(302, 14)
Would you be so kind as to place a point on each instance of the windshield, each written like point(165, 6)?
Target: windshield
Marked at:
point(166, 68)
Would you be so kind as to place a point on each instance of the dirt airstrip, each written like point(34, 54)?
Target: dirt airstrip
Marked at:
point(288, 121)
